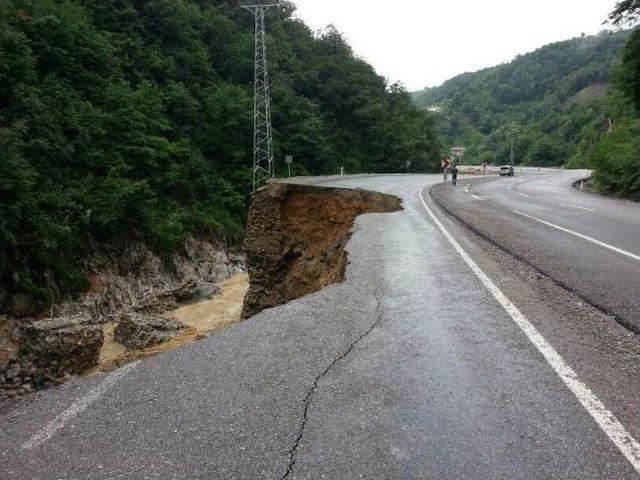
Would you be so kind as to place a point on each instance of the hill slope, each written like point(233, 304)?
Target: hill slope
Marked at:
point(546, 97)
point(127, 120)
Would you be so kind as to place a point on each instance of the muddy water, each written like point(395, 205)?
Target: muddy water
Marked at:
point(201, 318)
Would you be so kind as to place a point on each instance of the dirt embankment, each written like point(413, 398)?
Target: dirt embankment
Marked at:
point(140, 306)
point(296, 239)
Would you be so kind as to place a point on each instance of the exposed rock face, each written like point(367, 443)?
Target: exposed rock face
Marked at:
point(48, 351)
point(296, 238)
point(40, 352)
point(137, 279)
point(142, 330)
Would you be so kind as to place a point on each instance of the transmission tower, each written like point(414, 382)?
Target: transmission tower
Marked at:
point(263, 168)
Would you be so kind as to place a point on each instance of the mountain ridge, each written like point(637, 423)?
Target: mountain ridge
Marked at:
point(536, 91)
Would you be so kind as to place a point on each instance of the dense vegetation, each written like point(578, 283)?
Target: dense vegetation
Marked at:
point(615, 154)
point(131, 119)
point(543, 100)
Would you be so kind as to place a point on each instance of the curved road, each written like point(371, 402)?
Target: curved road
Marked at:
point(588, 243)
point(417, 366)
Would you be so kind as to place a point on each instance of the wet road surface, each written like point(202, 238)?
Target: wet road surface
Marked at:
point(589, 243)
point(411, 368)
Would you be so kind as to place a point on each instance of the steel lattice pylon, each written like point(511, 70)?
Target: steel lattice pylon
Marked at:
point(263, 168)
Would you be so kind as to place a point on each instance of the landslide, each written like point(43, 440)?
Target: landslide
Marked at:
point(296, 239)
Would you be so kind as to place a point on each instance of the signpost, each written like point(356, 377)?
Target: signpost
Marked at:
point(288, 159)
point(457, 153)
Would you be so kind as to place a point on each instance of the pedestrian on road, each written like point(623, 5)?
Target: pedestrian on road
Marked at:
point(454, 175)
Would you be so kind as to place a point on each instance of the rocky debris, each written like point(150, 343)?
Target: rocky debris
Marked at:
point(49, 351)
point(136, 278)
point(62, 345)
point(140, 330)
point(42, 352)
point(296, 239)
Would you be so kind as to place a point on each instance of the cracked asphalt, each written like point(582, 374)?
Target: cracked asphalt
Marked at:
point(408, 369)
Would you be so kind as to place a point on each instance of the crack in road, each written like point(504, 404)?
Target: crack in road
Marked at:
point(308, 398)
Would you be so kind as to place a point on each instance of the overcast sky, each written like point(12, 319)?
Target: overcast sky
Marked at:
point(425, 42)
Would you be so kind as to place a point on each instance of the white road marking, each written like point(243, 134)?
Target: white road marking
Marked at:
point(577, 206)
point(607, 421)
point(523, 194)
point(580, 235)
point(466, 189)
point(76, 408)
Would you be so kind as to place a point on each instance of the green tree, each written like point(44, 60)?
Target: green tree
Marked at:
point(127, 120)
point(628, 74)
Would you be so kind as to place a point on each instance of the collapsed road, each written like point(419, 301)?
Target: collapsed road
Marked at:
point(439, 356)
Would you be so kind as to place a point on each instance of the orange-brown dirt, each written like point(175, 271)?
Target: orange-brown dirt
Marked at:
point(296, 239)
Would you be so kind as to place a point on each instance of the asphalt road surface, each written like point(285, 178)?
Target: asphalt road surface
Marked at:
point(435, 359)
point(589, 243)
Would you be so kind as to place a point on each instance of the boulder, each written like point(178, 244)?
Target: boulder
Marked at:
point(140, 330)
point(186, 292)
point(61, 346)
point(206, 291)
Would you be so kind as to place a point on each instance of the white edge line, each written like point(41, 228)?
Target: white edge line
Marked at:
point(580, 235)
point(577, 206)
point(607, 421)
point(76, 408)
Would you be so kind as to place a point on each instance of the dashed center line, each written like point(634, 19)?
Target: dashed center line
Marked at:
point(580, 235)
point(577, 206)
point(466, 189)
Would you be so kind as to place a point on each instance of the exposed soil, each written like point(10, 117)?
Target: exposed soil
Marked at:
point(296, 239)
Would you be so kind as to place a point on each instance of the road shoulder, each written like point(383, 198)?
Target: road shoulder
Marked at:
point(605, 354)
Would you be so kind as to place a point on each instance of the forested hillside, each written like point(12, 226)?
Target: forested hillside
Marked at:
point(547, 101)
point(132, 119)
point(614, 152)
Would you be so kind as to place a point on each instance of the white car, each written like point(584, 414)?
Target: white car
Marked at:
point(506, 171)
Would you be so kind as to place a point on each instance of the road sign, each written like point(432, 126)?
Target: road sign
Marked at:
point(446, 163)
point(458, 151)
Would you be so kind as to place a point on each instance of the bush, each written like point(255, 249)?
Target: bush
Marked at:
point(617, 161)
